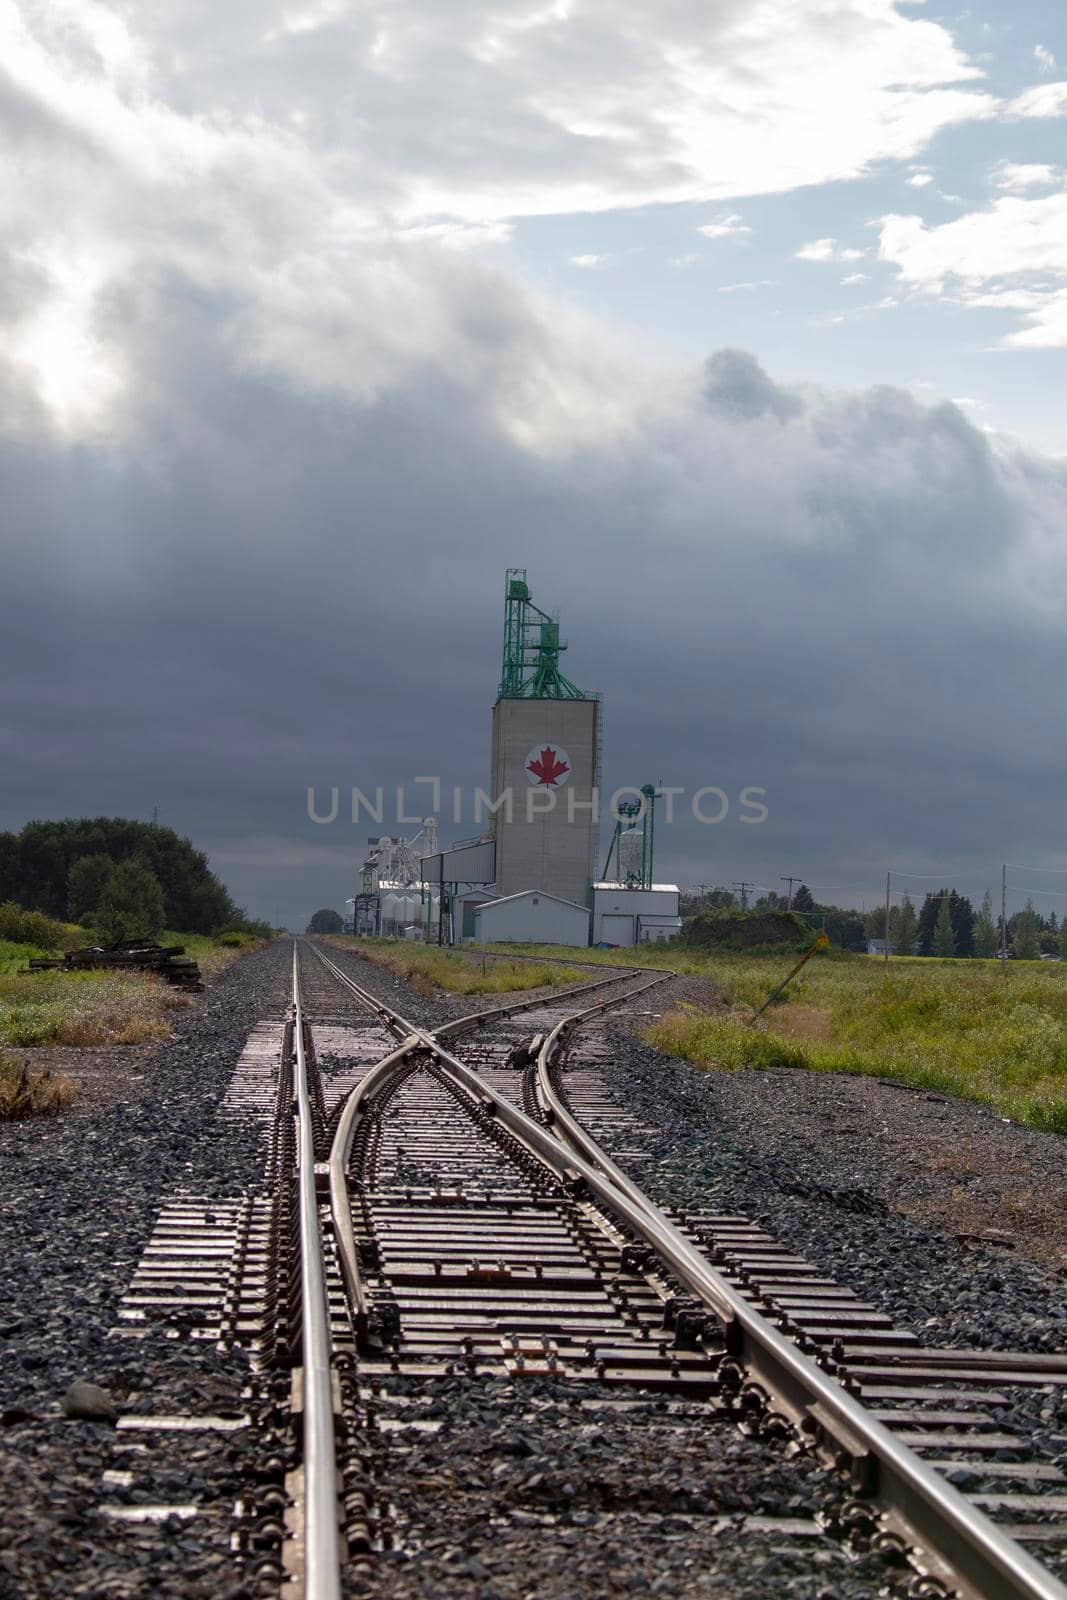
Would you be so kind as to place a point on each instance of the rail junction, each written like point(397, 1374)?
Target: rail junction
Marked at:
point(441, 1204)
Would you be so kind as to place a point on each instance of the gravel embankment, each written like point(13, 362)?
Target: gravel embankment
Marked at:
point(79, 1199)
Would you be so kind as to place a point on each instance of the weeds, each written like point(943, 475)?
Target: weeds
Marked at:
point(428, 970)
point(85, 1008)
point(32, 1094)
point(960, 1028)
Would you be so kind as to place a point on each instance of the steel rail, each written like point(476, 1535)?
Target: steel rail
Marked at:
point(322, 1544)
point(971, 1549)
point(340, 1154)
point(341, 1148)
point(939, 1518)
point(478, 1019)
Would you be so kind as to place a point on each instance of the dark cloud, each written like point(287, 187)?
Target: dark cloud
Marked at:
point(736, 387)
point(266, 589)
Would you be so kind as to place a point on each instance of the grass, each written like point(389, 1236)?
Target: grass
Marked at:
point(672, 957)
point(428, 969)
point(26, 1094)
point(92, 1009)
point(85, 1008)
point(15, 956)
point(956, 1027)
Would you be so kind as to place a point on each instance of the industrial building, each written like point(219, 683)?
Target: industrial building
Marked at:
point(532, 874)
point(531, 917)
point(624, 915)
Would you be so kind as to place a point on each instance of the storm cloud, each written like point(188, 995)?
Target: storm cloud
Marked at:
point(270, 435)
point(850, 600)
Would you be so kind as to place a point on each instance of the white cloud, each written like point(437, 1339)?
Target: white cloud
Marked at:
point(725, 227)
point(828, 250)
point(1016, 175)
point(1043, 100)
point(305, 165)
point(989, 258)
point(920, 180)
point(853, 277)
point(740, 288)
point(588, 261)
point(1044, 58)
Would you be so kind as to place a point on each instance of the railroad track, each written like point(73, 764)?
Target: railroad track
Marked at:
point(456, 1216)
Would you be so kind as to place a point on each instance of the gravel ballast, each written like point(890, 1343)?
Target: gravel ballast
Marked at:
point(80, 1196)
point(501, 1491)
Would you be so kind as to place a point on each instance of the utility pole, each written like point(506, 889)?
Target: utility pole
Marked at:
point(790, 881)
point(1004, 916)
point(887, 878)
point(744, 887)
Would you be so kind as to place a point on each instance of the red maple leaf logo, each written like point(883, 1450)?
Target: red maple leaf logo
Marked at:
point(547, 768)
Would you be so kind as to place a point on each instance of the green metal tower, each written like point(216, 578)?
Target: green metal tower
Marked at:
point(532, 648)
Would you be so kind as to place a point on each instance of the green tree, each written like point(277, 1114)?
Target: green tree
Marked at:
point(86, 882)
point(131, 906)
point(944, 943)
point(326, 921)
point(961, 913)
point(1026, 940)
point(1063, 940)
point(803, 899)
point(986, 938)
point(907, 928)
point(35, 867)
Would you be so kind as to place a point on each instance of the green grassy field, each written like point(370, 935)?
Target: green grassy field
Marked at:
point(95, 1008)
point(428, 969)
point(958, 1027)
point(973, 1028)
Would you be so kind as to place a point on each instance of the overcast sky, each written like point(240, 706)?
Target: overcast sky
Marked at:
point(740, 324)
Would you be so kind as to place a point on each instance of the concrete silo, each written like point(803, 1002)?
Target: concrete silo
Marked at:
point(545, 760)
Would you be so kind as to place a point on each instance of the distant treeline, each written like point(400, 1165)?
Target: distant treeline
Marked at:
point(38, 871)
point(945, 925)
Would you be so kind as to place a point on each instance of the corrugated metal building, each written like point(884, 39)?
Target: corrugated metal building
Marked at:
point(531, 916)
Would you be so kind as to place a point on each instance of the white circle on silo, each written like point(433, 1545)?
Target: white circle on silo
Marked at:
point(547, 765)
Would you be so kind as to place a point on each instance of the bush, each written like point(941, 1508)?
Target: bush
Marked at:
point(32, 927)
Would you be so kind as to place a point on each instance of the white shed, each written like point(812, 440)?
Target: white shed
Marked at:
point(532, 916)
point(625, 916)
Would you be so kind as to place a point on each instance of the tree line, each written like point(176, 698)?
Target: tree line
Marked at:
point(948, 925)
point(118, 877)
point(945, 925)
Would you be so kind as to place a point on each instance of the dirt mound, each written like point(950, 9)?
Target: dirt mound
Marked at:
point(748, 930)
